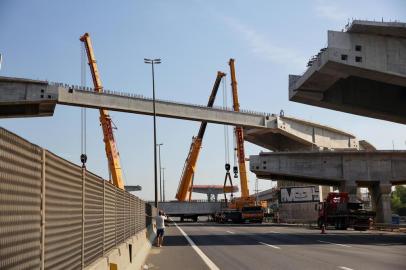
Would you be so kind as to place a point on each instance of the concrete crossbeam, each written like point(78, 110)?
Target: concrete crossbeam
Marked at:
point(377, 170)
point(332, 167)
point(362, 71)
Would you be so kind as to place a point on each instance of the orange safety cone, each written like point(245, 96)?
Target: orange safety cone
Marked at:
point(323, 229)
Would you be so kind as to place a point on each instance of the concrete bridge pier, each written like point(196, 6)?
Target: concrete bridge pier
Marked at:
point(350, 187)
point(381, 201)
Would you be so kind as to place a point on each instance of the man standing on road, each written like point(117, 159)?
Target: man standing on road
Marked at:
point(160, 225)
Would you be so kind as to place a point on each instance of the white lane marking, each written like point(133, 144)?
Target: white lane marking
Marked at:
point(274, 232)
point(341, 245)
point(206, 259)
point(272, 246)
point(345, 268)
point(230, 232)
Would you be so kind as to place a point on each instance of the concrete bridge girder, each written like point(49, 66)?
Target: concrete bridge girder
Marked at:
point(27, 98)
point(293, 134)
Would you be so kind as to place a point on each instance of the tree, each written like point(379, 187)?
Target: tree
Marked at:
point(398, 200)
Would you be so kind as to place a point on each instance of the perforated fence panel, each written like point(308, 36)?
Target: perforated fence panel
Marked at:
point(120, 216)
point(20, 203)
point(63, 214)
point(83, 215)
point(110, 217)
point(94, 201)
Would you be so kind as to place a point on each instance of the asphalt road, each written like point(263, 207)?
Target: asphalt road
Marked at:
point(276, 247)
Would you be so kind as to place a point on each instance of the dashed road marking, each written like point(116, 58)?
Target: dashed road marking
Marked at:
point(206, 259)
point(230, 232)
point(341, 245)
point(345, 268)
point(272, 246)
point(274, 232)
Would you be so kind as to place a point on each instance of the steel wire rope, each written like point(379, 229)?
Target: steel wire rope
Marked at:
point(83, 128)
point(226, 133)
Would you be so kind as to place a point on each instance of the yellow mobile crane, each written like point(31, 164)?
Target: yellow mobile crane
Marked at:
point(244, 208)
point(105, 120)
point(185, 185)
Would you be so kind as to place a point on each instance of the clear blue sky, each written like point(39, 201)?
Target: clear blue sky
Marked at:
point(268, 39)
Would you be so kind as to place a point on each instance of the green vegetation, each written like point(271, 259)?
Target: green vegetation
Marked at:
point(399, 200)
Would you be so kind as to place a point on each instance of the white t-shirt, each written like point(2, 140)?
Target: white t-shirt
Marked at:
point(160, 222)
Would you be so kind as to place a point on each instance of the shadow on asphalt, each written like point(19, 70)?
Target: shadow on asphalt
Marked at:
point(213, 224)
point(286, 239)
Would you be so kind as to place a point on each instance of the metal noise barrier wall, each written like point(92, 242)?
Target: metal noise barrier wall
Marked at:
point(56, 215)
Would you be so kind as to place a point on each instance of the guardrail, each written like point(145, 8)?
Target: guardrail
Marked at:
point(55, 214)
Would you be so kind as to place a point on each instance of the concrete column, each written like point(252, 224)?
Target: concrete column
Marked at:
point(381, 202)
point(350, 187)
point(323, 191)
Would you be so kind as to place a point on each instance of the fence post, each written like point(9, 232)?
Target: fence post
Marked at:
point(83, 214)
point(104, 215)
point(124, 214)
point(43, 209)
point(115, 216)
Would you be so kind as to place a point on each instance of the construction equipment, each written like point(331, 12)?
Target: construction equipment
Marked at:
point(186, 182)
point(105, 120)
point(339, 212)
point(244, 208)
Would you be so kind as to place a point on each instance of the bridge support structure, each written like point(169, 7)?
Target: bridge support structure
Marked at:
point(378, 170)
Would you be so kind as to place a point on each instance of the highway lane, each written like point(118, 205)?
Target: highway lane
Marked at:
point(272, 247)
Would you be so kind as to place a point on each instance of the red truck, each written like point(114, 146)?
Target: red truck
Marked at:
point(337, 211)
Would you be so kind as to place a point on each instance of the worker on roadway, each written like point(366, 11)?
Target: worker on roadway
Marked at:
point(160, 225)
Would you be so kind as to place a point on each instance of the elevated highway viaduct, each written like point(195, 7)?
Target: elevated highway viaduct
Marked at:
point(361, 71)
point(28, 98)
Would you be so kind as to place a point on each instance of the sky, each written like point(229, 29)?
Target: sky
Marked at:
point(269, 40)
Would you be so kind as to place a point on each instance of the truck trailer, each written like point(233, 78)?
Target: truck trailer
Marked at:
point(339, 212)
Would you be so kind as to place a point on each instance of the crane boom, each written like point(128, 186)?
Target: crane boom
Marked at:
point(186, 181)
point(239, 135)
point(105, 120)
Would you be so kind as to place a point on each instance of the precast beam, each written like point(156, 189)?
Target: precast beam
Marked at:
point(163, 108)
point(293, 134)
point(28, 98)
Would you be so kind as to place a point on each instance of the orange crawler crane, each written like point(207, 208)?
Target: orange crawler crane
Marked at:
point(186, 182)
point(105, 120)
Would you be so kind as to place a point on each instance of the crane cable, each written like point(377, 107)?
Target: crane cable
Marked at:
point(83, 124)
point(226, 133)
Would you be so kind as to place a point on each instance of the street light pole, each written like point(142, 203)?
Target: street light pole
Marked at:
point(152, 62)
point(163, 182)
point(160, 169)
